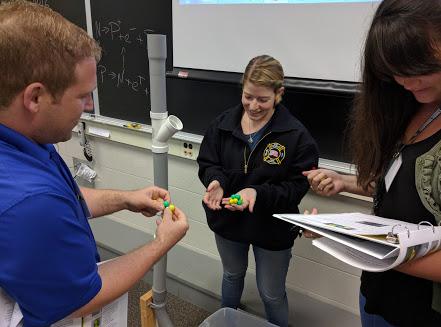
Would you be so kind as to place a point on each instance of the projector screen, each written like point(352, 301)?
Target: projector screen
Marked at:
point(319, 39)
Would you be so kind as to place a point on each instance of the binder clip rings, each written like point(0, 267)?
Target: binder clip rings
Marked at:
point(426, 223)
point(392, 237)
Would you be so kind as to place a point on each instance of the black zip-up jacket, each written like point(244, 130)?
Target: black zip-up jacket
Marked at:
point(274, 169)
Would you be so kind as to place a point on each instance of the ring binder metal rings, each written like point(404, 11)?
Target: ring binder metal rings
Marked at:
point(426, 223)
point(392, 237)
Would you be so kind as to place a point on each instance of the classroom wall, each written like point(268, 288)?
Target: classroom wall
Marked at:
point(124, 161)
point(195, 260)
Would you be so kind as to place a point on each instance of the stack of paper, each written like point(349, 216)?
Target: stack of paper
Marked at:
point(362, 241)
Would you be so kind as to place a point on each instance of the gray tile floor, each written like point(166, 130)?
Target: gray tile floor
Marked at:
point(182, 313)
point(305, 311)
point(308, 312)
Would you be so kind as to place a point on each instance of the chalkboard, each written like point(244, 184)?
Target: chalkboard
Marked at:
point(325, 115)
point(198, 102)
point(323, 110)
point(121, 28)
point(72, 10)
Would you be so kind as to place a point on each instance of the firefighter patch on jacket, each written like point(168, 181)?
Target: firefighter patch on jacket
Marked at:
point(274, 153)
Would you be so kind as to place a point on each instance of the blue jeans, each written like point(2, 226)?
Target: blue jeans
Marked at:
point(370, 320)
point(271, 270)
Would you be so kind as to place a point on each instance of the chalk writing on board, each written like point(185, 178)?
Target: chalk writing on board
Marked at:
point(136, 83)
point(41, 2)
point(127, 39)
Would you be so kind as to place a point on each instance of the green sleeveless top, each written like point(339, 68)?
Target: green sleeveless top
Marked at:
point(428, 185)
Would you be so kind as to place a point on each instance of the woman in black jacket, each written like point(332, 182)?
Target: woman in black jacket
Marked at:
point(257, 150)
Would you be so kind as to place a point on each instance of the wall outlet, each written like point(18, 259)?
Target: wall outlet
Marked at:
point(188, 150)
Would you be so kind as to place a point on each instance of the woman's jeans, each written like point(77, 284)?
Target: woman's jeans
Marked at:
point(370, 320)
point(271, 270)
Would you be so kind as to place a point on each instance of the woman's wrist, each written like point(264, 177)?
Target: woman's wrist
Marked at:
point(350, 185)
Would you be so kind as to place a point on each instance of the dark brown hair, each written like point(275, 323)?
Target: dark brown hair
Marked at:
point(404, 40)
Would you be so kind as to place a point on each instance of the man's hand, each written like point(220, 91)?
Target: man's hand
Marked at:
point(213, 195)
point(147, 201)
point(171, 228)
point(248, 196)
point(120, 274)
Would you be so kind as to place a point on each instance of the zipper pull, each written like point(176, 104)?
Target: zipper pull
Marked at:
point(245, 168)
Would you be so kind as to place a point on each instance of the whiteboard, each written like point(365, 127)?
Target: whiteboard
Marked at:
point(321, 40)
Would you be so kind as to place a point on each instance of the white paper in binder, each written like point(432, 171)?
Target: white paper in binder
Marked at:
point(369, 242)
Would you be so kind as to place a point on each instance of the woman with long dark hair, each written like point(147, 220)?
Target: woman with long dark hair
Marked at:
point(395, 140)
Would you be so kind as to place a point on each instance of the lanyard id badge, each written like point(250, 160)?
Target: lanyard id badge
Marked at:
point(398, 159)
point(393, 171)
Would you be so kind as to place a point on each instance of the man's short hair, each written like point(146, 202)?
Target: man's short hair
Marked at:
point(39, 45)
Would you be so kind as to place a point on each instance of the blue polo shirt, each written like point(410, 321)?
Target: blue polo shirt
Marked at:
point(48, 253)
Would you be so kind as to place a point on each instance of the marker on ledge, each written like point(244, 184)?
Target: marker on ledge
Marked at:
point(133, 125)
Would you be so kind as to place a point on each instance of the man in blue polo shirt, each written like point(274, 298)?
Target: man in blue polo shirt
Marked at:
point(48, 253)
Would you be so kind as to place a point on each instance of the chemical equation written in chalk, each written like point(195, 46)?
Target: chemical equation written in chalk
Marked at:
point(128, 39)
